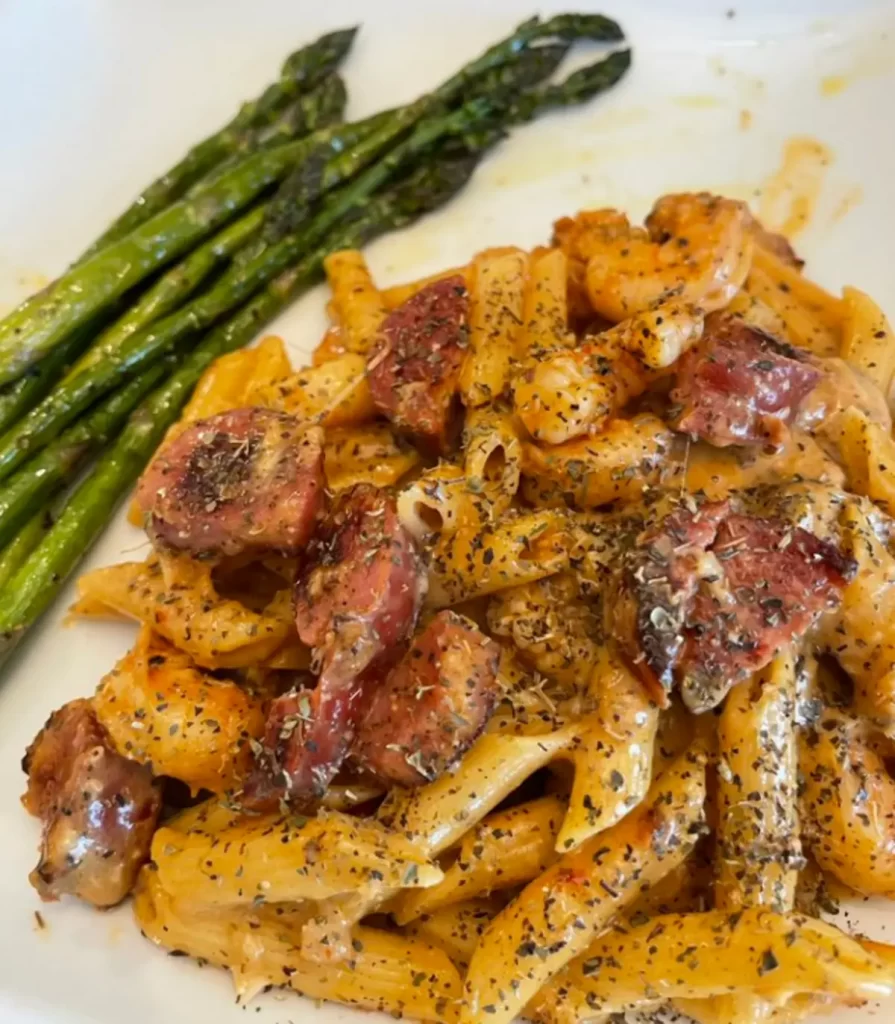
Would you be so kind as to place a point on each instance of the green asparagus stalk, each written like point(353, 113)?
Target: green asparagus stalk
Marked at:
point(22, 395)
point(44, 321)
point(16, 552)
point(309, 115)
point(235, 286)
point(172, 289)
point(579, 87)
point(39, 579)
point(321, 172)
point(59, 463)
point(302, 70)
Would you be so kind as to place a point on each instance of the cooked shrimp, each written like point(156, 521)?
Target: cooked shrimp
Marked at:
point(699, 249)
point(575, 391)
point(848, 805)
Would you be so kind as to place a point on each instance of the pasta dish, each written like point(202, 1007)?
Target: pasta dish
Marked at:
point(527, 654)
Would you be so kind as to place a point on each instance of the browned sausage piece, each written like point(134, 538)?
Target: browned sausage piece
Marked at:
point(660, 571)
point(740, 385)
point(777, 580)
point(429, 709)
point(357, 600)
point(414, 371)
point(245, 480)
point(362, 586)
point(98, 809)
point(707, 596)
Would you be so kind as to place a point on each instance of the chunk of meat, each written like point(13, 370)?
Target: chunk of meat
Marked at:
point(307, 737)
point(708, 595)
point(777, 580)
point(245, 480)
point(647, 613)
point(98, 809)
point(740, 385)
point(414, 371)
point(362, 586)
point(357, 600)
point(431, 707)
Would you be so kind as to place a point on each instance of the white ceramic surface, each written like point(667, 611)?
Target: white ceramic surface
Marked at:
point(97, 96)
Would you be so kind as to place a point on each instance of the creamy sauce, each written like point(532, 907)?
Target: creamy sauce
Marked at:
point(852, 197)
point(789, 197)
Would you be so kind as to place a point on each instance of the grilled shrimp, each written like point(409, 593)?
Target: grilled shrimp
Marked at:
point(574, 391)
point(699, 250)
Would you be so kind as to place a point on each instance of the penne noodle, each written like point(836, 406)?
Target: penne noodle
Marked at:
point(867, 451)
point(861, 632)
point(545, 311)
point(357, 306)
point(212, 856)
point(261, 947)
point(812, 318)
point(612, 755)
point(176, 597)
point(758, 852)
point(335, 393)
point(456, 928)
point(868, 341)
point(505, 850)
point(695, 956)
point(846, 799)
point(476, 561)
point(440, 502)
point(557, 916)
point(495, 321)
point(372, 454)
point(493, 455)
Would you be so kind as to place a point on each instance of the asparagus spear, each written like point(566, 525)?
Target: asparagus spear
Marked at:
point(296, 195)
point(37, 326)
point(60, 462)
point(43, 574)
point(316, 177)
point(234, 287)
point(14, 555)
point(301, 70)
point(579, 87)
point(22, 395)
point(172, 289)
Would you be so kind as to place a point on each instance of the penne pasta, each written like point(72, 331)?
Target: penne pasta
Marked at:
point(612, 754)
point(372, 454)
point(505, 850)
point(493, 455)
point(456, 928)
point(357, 306)
point(495, 321)
point(440, 502)
point(175, 596)
point(261, 947)
point(545, 311)
point(334, 393)
point(557, 916)
point(695, 956)
point(212, 856)
point(476, 561)
point(868, 342)
point(867, 451)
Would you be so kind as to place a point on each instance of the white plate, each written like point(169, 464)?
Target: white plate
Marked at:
point(100, 95)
